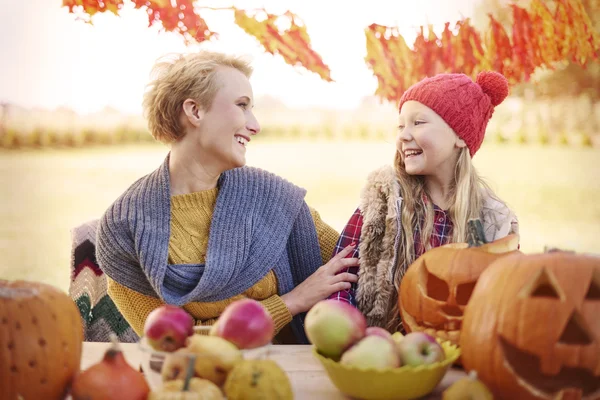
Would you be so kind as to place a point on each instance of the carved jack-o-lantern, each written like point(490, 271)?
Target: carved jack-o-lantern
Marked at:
point(532, 327)
point(438, 285)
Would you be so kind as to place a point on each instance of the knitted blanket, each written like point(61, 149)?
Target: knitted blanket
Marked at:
point(87, 288)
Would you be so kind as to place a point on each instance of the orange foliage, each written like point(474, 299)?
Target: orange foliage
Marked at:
point(541, 36)
point(292, 43)
point(91, 7)
point(539, 39)
point(180, 18)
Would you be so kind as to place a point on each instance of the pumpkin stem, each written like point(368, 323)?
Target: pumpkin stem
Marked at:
point(115, 342)
point(549, 249)
point(189, 373)
point(475, 235)
point(114, 350)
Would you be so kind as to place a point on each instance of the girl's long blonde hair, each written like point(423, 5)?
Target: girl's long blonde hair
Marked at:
point(467, 196)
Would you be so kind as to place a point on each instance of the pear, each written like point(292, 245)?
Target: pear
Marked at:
point(468, 388)
point(215, 357)
point(175, 365)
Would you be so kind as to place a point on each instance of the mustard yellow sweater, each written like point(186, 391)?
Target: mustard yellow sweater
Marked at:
point(191, 216)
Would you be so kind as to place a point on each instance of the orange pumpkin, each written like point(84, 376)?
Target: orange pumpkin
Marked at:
point(438, 285)
point(532, 327)
point(41, 336)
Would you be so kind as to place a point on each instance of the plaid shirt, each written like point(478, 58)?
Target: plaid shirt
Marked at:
point(442, 232)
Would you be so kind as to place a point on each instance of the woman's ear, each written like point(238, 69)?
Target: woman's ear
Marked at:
point(193, 113)
point(460, 143)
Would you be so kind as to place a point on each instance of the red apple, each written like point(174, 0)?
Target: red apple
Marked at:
point(167, 328)
point(245, 323)
point(419, 348)
point(333, 326)
point(377, 331)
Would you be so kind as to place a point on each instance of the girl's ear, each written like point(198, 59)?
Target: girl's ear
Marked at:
point(460, 143)
point(193, 113)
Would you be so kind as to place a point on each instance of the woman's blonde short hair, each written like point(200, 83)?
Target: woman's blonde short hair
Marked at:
point(176, 78)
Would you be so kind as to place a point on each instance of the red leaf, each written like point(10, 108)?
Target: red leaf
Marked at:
point(430, 61)
point(292, 43)
point(498, 49)
point(180, 18)
point(391, 60)
point(524, 52)
point(577, 38)
point(468, 48)
point(91, 7)
point(542, 27)
point(447, 49)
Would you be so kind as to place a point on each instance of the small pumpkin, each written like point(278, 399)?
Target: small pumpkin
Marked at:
point(41, 336)
point(438, 285)
point(532, 327)
point(256, 380)
point(198, 389)
point(468, 388)
point(112, 378)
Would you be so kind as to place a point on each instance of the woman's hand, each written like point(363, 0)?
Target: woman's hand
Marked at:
point(322, 283)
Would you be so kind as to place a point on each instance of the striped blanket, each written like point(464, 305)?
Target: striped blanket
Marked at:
point(88, 290)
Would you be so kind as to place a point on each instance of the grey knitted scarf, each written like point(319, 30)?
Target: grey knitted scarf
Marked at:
point(260, 223)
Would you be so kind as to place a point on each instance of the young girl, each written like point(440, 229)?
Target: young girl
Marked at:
point(427, 197)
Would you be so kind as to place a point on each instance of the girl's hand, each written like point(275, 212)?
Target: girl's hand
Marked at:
point(322, 283)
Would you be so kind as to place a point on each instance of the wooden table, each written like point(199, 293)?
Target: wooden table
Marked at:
point(309, 379)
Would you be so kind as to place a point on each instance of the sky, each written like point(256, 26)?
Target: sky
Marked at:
point(49, 59)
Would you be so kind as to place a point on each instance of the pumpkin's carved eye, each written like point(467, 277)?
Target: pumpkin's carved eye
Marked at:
point(543, 286)
point(575, 331)
point(463, 293)
point(545, 290)
point(593, 292)
point(437, 289)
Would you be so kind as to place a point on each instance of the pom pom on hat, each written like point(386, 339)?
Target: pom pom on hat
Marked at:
point(494, 85)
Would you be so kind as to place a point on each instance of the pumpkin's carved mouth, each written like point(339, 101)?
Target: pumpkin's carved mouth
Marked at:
point(450, 330)
point(527, 367)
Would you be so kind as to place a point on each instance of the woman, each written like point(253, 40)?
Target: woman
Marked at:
point(203, 230)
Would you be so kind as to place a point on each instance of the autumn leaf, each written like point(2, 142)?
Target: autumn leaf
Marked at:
point(447, 49)
point(498, 54)
point(580, 42)
point(292, 43)
point(525, 57)
point(429, 61)
point(91, 7)
point(179, 17)
point(469, 49)
point(542, 27)
point(391, 60)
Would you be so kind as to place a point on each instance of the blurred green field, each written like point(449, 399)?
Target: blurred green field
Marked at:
point(554, 190)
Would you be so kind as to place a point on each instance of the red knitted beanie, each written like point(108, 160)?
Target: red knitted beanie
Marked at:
point(465, 105)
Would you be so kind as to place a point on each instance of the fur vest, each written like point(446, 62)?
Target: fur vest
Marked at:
point(380, 205)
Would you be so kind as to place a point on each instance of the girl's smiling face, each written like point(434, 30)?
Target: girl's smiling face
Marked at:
point(426, 143)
